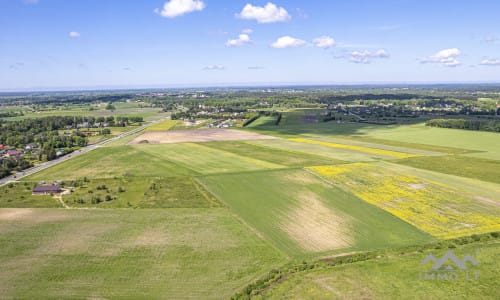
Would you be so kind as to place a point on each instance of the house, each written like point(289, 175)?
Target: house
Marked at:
point(14, 153)
point(47, 190)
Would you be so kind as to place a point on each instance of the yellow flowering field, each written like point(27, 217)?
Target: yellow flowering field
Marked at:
point(440, 210)
point(374, 151)
point(163, 126)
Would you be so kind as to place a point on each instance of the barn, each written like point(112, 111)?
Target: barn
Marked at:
point(46, 189)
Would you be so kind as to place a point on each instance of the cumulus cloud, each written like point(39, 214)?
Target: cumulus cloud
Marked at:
point(490, 62)
point(214, 68)
point(446, 57)
point(324, 42)
point(287, 42)
point(177, 8)
point(270, 13)
point(247, 31)
point(74, 34)
point(366, 57)
point(240, 41)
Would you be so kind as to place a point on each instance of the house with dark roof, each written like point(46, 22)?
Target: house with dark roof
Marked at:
point(47, 190)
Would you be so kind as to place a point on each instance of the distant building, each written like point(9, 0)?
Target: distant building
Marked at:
point(14, 153)
point(46, 189)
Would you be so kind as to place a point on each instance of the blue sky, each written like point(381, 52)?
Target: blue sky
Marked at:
point(61, 44)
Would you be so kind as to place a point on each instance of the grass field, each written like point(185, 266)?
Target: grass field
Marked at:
point(322, 150)
point(272, 155)
point(18, 194)
point(302, 215)
point(263, 121)
point(165, 125)
point(110, 162)
point(143, 192)
point(382, 153)
point(151, 253)
point(395, 277)
point(202, 220)
point(203, 159)
point(471, 167)
point(434, 207)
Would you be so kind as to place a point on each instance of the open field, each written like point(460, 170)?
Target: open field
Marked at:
point(437, 208)
point(322, 150)
point(143, 192)
point(482, 144)
point(163, 126)
point(395, 277)
point(263, 121)
point(382, 153)
point(205, 160)
point(465, 166)
point(109, 162)
point(18, 194)
point(273, 155)
point(197, 135)
point(302, 215)
point(151, 253)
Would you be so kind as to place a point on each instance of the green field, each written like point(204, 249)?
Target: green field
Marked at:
point(109, 162)
point(434, 205)
point(151, 253)
point(272, 155)
point(143, 192)
point(263, 121)
point(471, 167)
point(18, 194)
point(302, 215)
point(395, 277)
point(332, 153)
point(203, 159)
point(165, 125)
point(205, 220)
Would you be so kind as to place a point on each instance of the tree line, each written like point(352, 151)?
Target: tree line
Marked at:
point(482, 125)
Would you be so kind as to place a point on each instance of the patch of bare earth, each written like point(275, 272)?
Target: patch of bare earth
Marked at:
point(315, 227)
point(197, 135)
point(417, 186)
point(32, 215)
point(487, 200)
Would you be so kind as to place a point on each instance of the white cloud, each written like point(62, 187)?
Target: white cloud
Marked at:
point(270, 13)
point(447, 57)
point(490, 38)
point(324, 42)
point(287, 42)
point(247, 31)
point(214, 68)
point(490, 62)
point(240, 41)
point(366, 57)
point(176, 8)
point(74, 34)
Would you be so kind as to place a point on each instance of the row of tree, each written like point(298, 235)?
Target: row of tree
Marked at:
point(483, 125)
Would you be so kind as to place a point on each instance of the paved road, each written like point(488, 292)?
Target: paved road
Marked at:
point(83, 150)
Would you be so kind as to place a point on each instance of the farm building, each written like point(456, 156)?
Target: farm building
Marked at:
point(46, 189)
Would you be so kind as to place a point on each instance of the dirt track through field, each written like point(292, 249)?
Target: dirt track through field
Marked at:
point(197, 135)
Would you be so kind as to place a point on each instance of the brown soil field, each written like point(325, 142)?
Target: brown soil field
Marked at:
point(197, 135)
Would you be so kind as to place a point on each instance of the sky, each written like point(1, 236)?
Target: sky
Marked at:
point(76, 44)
